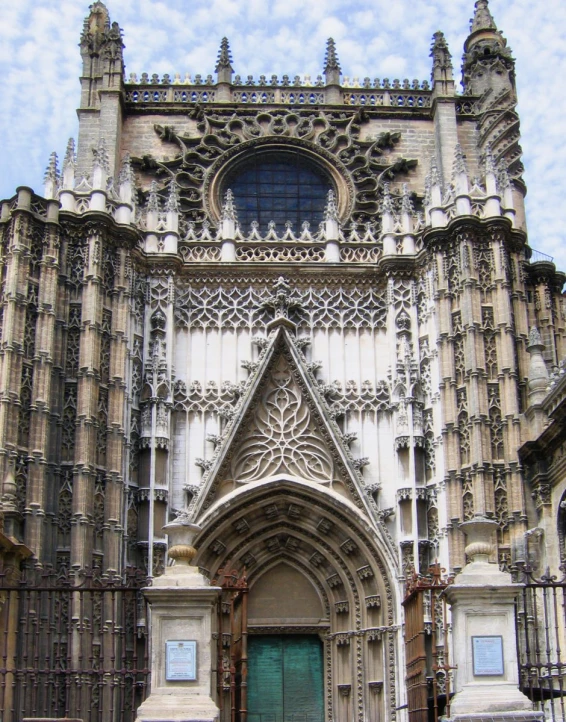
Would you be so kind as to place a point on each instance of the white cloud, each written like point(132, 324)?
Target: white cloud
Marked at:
point(40, 65)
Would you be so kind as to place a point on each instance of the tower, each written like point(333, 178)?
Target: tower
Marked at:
point(300, 315)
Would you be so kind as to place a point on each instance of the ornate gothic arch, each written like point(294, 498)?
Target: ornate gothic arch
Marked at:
point(340, 551)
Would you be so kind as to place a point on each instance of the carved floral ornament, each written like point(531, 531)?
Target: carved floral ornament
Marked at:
point(333, 140)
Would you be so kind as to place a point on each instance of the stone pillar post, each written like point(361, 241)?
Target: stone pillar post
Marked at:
point(483, 622)
point(182, 611)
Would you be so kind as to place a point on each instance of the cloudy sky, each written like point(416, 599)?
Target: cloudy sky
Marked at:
point(40, 66)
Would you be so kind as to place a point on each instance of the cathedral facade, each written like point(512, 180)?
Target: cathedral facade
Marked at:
point(304, 315)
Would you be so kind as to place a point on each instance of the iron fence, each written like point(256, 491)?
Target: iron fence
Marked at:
point(541, 640)
point(73, 644)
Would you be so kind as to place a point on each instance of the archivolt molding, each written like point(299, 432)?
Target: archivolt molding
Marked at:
point(335, 514)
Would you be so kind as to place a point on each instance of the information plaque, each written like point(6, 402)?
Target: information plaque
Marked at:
point(180, 661)
point(487, 655)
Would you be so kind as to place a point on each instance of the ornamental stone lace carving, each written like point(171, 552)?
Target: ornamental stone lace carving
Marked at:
point(283, 437)
point(228, 306)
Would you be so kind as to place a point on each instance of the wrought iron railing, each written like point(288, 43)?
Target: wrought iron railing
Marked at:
point(72, 645)
point(541, 640)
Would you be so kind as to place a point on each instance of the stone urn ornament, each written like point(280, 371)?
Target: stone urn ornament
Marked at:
point(479, 535)
point(181, 533)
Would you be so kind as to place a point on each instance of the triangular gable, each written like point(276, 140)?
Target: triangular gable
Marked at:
point(282, 427)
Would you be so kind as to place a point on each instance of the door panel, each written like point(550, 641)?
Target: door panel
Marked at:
point(285, 679)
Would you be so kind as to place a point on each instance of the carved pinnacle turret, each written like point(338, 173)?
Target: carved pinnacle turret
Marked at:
point(442, 70)
point(331, 68)
point(224, 62)
point(172, 202)
point(153, 198)
point(487, 62)
point(228, 207)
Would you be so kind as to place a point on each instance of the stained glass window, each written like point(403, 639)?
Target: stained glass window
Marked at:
point(279, 187)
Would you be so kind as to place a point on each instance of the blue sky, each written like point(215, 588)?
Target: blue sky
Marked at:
point(40, 66)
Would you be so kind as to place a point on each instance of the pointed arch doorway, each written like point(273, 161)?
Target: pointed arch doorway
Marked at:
point(314, 566)
point(285, 649)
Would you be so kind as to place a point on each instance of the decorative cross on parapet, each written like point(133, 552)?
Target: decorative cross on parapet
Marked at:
point(281, 303)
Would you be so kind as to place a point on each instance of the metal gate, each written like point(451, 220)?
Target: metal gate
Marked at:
point(426, 647)
point(541, 640)
point(73, 644)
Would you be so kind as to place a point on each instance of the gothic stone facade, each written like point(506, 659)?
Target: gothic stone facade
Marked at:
point(328, 402)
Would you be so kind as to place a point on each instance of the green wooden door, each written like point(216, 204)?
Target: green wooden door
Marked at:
point(285, 678)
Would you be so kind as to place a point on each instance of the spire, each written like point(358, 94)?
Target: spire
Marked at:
point(406, 200)
point(435, 179)
point(482, 19)
point(51, 177)
point(153, 198)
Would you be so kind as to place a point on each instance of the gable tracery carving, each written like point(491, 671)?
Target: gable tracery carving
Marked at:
point(283, 437)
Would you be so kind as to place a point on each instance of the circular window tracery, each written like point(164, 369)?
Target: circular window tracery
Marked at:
point(280, 186)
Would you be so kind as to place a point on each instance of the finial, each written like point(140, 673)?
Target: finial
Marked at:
point(434, 172)
point(153, 198)
point(51, 177)
point(52, 171)
point(406, 201)
point(126, 171)
point(70, 157)
point(489, 160)
point(101, 156)
point(331, 62)
point(535, 339)
point(331, 210)
point(482, 19)
point(459, 165)
point(224, 60)
point(427, 190)
point(386, 204)
point(172, 202)
point(503, 178)
point(228, 208)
